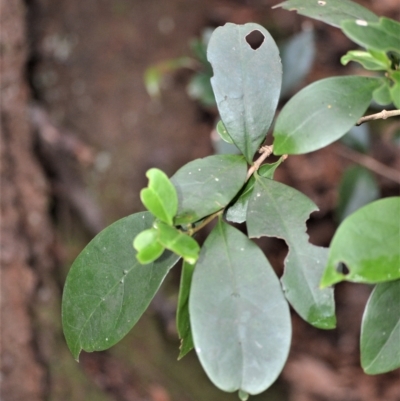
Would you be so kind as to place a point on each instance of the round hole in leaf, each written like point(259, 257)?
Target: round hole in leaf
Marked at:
point(255, 39)
point(342, 268)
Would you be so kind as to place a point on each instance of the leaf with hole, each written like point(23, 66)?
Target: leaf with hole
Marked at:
point(321, 113)
point(207, 185)
point(160, 197)
point(239, 317)
point(182, 311)
point(367, 243)
point(332, 12)
point(246, 82)
point(276, 210)
point(380, 330)
point(147, 246)
point(177, 242)
point(107, 289)
point(357, 188)
point(381, 36)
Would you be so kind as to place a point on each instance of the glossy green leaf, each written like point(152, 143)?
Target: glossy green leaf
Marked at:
point(382, 94)
point(382, 36)
point(395, 89)
point(367, 60)
point(178, 242)
point(321, 113)
point(107, 289)
point(297, 54)
point(332, 12)
point(223, 133)
point(147, 246)
point(246, 83)
point(367, 243)
point(380, 330)
point(207, 185)
point(160, 197)
point(239, 317)
point(237, 212)
point(357, 188)
point(276, 210)
point(182, 311)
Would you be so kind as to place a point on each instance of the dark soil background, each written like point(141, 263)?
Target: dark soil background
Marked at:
point(79, 131)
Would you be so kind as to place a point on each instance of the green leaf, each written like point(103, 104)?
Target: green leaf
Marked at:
point(237, 212)
point(223, 133)
point(107, 289)
point(357, 188)
point(367, 60)
point(321, 113)
point(358, 138)
point(276, 210)
point(182, 311)
point(199, 88)
point(297, 55)
point(367, 243)
point(246, 83)
point(332, 12)
point(395, 89)
point(380, 330)
point(178, 242)
point(147, 246)
point(382, 95)
point(160, 197)
point(239, 317)
point(382, 36)
point(207, 185)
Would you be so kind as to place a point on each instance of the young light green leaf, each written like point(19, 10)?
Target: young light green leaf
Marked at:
point(367, 243)
point(380, 330)
point(237, 212)
point(381, 36)
point(107, 289)
point(223, 133)
point(297, 55)
point(276, 210)
point(332, 12)
point(160, 197)
point(178, 242)
point(147, 245)
point(367, 60)
point(239, 317)
point(357, 188)
point(382, 95)
point(321, 113)
point(395, 89)
point(207, 185)
point(246, 82)
point(182, 311)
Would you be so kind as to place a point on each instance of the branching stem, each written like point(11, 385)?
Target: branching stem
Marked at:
point(383, 115)
point(265, 152)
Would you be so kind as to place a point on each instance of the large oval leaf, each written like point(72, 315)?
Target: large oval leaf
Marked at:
point(332, 12)
point(246, 83)
point(207, 185)
point(380, 330)
point(276, 210)
point(368, 244)
point(107, 289)
point(321, 113)
point(239, 317)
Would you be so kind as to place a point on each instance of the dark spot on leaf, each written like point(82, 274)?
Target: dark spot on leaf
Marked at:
point(342, 268)
point(255, 39)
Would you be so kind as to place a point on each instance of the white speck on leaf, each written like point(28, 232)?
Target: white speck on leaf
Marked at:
point(216, 179)
point(321, 3)
point(361, 22)
point(258, 195)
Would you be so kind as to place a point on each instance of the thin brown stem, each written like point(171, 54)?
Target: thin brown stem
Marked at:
point(383, 115)
point(265, 152)
point(205, 222)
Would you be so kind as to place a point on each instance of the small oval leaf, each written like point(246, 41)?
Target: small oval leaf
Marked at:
point(239, 317)
point(147, 246)
point(367, 243)
point(380, 330)
point(246, 82)
point(160, 197)
point(207, 185)
point(321, 113)
point(107, 289)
